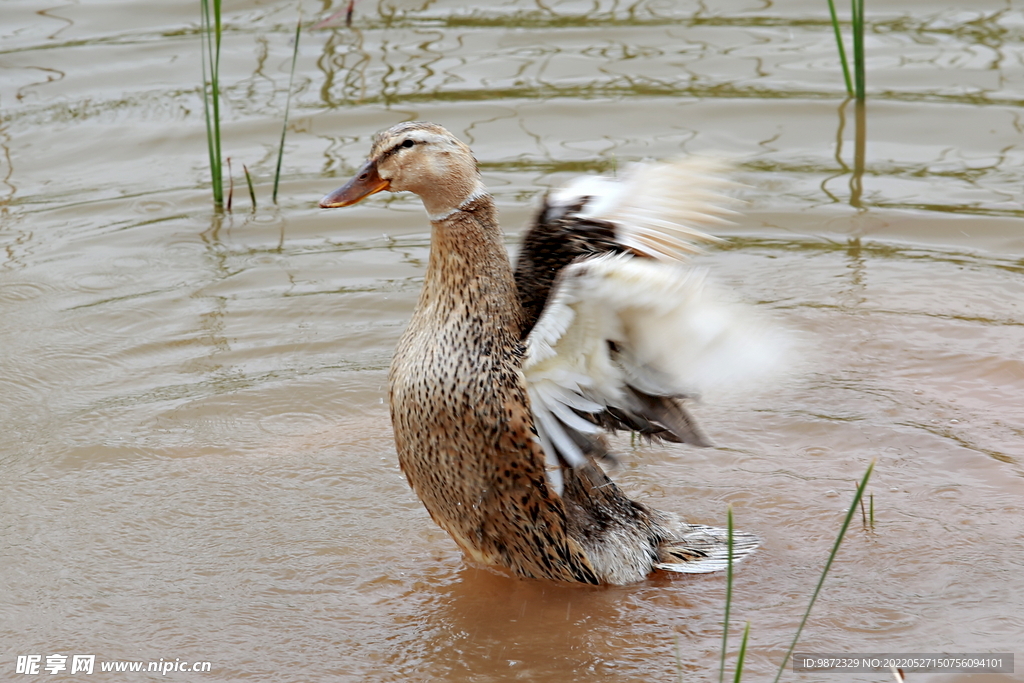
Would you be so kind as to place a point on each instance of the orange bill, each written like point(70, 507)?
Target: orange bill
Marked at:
point(365, 183)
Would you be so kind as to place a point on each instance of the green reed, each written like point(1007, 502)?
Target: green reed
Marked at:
point(828, 565)
point(842, 49)
point(231, 184)
point(248, 181)
point(287, 105)
point(741, 657)
point(855, 87)
point(858, 496)
point(867, 518)
point(858, 49)
point(728, 598)
point(211, 35)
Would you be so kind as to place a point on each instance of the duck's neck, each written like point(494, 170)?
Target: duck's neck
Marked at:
point(469, 274)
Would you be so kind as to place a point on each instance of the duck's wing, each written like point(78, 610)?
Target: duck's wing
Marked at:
point(622, 343)
point(655, 210)
point(625, 334)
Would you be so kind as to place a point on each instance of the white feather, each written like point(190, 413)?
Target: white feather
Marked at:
point(713, 542)
point(659, 208)
point(552, 465)
point(555, 433)
point(673, 335)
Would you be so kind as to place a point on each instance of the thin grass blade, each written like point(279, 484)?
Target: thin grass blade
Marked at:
point(728, 598)
point(287, 105)
point(215, 83)
point(204, 18)
point(210, 51)
point(231, 184)
point(857, 7)
point(742, 655)
point(204, 33)
point(828, 565)
point(842, 50)
point(248, 181)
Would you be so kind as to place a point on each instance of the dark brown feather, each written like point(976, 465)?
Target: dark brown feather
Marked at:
point(558, 237)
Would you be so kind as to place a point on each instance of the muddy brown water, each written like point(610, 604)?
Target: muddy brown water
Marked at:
point(197, 461)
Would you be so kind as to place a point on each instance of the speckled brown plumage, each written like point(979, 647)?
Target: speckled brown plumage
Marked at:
point(459, 408)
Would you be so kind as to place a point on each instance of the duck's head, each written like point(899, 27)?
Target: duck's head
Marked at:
point(417, 157)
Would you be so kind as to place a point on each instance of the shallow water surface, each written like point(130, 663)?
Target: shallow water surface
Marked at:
point(196, 453)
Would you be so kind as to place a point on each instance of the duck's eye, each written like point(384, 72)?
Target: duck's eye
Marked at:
point(408, 143)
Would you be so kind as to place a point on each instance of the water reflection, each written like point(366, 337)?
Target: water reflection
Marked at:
point(859, 147)
point(343, 55)
point(526, 630)
point(6, 172)
point(398, 59)
point(49, 14)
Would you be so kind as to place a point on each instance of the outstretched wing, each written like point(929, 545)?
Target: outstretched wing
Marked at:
point(621, 333)
point(656, 210)
point(622, 343)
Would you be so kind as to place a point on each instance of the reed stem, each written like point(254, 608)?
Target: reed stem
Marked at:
point(742, 655)
point(842, 50)
point(248, 181)
point(211, 35)
point(857, 20)
point(828, 565)
point(728, 599)
point(231, 184)
point(287, 105)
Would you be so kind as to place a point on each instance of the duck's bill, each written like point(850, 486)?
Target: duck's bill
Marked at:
point(365, 183)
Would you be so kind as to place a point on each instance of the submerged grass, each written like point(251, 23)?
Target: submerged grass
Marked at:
point(210, 49)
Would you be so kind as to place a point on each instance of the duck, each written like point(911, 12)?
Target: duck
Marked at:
point(506, 384)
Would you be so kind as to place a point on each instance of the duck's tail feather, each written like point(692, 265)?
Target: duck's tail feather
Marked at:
point(704, 549)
